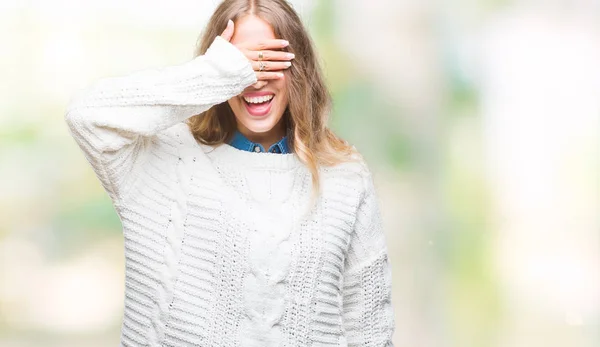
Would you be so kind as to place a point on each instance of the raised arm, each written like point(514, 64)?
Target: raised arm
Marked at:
point(367, 292)
point(114, 119)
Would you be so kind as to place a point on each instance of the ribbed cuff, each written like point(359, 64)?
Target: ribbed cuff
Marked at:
point(228, 59)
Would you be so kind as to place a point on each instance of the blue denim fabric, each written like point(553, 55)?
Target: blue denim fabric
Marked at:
point(240, 141)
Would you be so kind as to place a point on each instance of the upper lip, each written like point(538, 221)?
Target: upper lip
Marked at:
point(257, 94)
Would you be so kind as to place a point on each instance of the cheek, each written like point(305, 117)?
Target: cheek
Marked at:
point(283, 90)
point(236, 106)
point(284, 101)
point(234, 102)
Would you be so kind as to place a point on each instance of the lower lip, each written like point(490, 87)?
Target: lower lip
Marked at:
point(260, 111)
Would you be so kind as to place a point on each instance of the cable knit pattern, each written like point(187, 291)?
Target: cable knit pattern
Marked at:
point(222, 246)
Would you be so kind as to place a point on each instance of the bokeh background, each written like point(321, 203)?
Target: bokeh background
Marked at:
point(480, 120)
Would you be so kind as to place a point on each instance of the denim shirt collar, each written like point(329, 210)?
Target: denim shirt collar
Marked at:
point(240, 141)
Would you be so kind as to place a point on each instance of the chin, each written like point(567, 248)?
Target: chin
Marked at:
point(257, 128)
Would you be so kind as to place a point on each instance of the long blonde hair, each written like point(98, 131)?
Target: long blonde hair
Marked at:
point(309, 104)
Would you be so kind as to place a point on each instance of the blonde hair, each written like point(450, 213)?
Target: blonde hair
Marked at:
point(307, 113)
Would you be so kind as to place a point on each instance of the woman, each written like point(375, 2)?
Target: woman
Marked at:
point(247, 222)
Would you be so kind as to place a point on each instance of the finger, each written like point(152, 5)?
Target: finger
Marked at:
point(268, 75)
point(228, 32)
point(271, 65)
point(272, 55)
point(266, 44)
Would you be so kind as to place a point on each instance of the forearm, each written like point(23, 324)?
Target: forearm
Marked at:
point(147, 101)
point(368, 309)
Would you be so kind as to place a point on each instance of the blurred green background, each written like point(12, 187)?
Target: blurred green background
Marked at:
point(480, 120)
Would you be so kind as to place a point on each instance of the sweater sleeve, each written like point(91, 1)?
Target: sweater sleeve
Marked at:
point(114, 119)
point(367, 308)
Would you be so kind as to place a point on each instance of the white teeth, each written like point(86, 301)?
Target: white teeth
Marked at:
point(258, 100)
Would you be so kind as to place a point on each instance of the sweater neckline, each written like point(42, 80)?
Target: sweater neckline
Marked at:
point(256, 160)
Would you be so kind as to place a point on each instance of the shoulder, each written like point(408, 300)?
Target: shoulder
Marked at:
point(177, 141)
point(354, 173)
point(181, 134)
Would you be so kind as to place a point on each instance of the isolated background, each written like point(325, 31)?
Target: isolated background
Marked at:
point(480, 119)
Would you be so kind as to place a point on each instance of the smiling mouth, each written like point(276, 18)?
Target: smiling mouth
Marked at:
point(258, 106)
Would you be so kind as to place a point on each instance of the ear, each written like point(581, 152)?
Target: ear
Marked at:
point(228, 32)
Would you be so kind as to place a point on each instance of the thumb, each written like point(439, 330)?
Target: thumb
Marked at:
point(228, 32)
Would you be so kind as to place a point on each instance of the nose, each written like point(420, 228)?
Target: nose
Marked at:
point(259, 84)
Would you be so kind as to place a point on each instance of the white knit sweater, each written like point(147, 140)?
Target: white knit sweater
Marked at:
point(217, 249)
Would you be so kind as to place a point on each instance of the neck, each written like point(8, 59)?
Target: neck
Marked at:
point(267, 138)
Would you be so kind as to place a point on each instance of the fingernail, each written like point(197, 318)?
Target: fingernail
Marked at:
point(280, 74)
point(285, 43)
point(287, 63)
point(229, 22)
point(291, 55)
